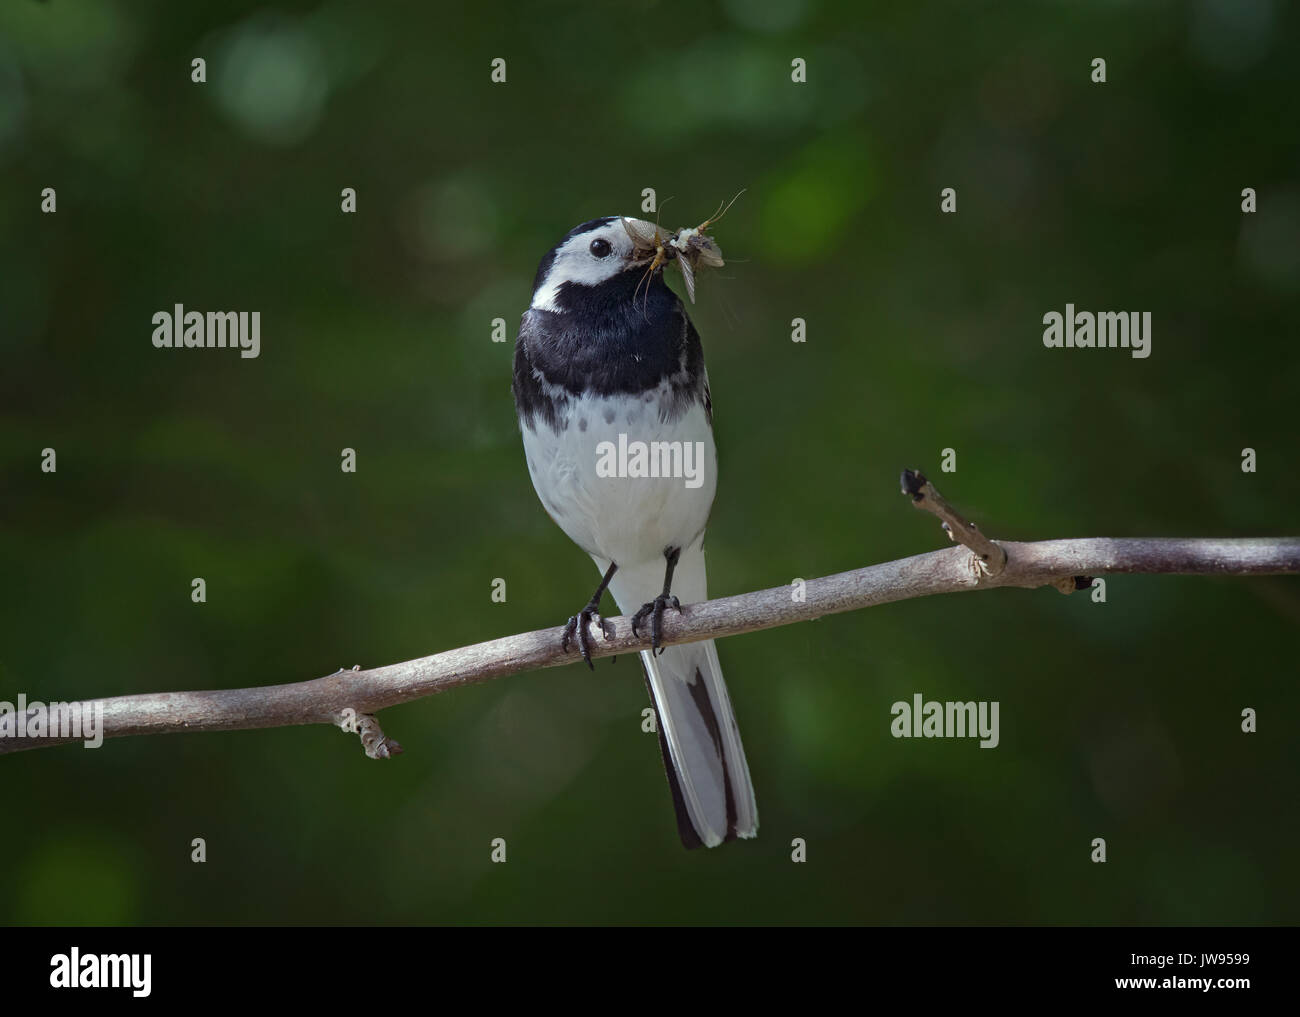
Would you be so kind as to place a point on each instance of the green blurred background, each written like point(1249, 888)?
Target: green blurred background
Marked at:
point(924, 332)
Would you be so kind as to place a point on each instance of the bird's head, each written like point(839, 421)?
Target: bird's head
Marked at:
point(590, 256)
point(614, 256)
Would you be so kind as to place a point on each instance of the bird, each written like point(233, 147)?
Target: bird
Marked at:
point(607, 353)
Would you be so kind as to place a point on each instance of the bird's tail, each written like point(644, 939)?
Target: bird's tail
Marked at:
point(703, 756)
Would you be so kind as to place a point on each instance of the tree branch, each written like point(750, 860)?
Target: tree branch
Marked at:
point(924, 496)
point(349, 698)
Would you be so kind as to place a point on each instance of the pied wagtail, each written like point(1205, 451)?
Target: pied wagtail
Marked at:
point(606, 349)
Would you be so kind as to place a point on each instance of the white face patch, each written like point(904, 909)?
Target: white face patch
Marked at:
point(575, 263)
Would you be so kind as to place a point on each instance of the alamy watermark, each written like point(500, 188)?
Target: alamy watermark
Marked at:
point(75, 970)
point(55, 720)
point(683, 459)
point(933, 719)
point(192, 330)
point(1128, 330)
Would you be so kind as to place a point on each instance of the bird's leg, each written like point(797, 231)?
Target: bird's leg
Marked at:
point(655, 609)
point(579, 622)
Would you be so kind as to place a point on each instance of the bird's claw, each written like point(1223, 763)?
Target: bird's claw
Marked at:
point(655, 612)
point(577, 625)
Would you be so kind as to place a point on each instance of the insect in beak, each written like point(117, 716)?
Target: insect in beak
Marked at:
point(650, 242)
point(688, 247)
point(651, 245)
point(695, 247)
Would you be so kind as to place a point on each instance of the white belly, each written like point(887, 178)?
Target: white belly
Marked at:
point(624, 519)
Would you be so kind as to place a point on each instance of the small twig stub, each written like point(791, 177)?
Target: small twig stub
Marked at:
point(924, 495)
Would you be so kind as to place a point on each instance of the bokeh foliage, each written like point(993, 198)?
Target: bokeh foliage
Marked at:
point(1118, 721)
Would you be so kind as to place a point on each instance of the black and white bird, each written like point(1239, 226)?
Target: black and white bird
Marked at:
point(606, 350)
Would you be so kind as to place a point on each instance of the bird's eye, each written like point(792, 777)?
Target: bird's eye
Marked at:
point(600, 247)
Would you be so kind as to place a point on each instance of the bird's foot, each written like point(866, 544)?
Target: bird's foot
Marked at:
point(577, 626)
point(655, 612)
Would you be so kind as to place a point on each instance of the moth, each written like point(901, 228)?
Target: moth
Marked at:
point(651, 243)
point(694, 247)
point(690, 247)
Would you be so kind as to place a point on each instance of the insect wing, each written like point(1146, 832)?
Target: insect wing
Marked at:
point(646, 235)
point(688, 274)
point(705, 252)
